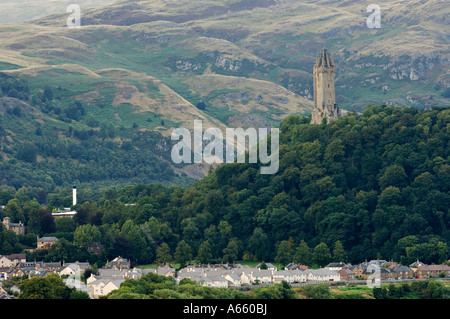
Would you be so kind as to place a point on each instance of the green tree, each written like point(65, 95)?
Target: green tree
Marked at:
point(85, 235)
point(204, 255)
point(13, 210)
point(394, 175)
point(49, 287)
point(135, 237)
point(258, 244)
point(321, 254)
point(284, 253)
point(183, 253)
point(320, 291)
point(163, 254)
point(339, 253)
point(231, 252)
point(302, 254)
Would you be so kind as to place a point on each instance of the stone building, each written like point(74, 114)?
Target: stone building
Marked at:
point(18, 228)
point(324, 93)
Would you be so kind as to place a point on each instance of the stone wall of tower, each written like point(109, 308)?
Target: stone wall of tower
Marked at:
point(324, 92)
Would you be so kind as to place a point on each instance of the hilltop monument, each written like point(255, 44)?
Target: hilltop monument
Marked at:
point(324, 94)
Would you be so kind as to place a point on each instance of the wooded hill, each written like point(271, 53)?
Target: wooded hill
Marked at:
point(367, 186)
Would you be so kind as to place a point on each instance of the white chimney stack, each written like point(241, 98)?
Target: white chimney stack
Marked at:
point(74, 196)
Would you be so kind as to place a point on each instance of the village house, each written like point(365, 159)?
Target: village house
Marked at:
point(402, 272)
point(299, 275)
point(46, 242)
point(165, 270)
point(261, 276)
point(322, 275)
point(11, 260)
point(283, 275)
point(416, 265)
point(74, 268)
point(432, 270)
point(358, 270)
point(234, 280)
point(215, 279)
point(347, 274)
point(102, 287)
point(118, 263)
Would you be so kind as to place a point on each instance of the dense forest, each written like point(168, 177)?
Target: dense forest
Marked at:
point(374, 185)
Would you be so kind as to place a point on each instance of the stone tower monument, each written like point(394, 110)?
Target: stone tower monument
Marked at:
point(324, 95)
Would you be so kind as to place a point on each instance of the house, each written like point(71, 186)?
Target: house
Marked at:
point(216, 279)
point(283, 275)
point(118, 263)
point(74, 268)
point(386, 273)
point(261, 276)
point(358, 270)
point(27, 266)
point(234, 279)
point(402, 272)
point(432, 270)
point(17, 228)
point(166, 270)
point(347, 274)
point(416, 265)
point(322, 275)
point(12, 260)
point(46, 242)
point(299, 275)
point(103, 287)
point(134, 273)
point(110, 273)
point(16, 272)
point(205, 278)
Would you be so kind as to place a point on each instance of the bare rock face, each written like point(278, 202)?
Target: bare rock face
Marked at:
point(324, 93)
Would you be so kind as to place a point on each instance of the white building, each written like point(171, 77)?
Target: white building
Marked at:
point(299, 275)
point(102, 287)
point(261, 276)
point(322, 275)
point(283, 275)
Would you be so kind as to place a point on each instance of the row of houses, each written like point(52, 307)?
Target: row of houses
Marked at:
point(239, 275)
point(118, 270)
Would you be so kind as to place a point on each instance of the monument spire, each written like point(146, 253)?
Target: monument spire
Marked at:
point(325, 105)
